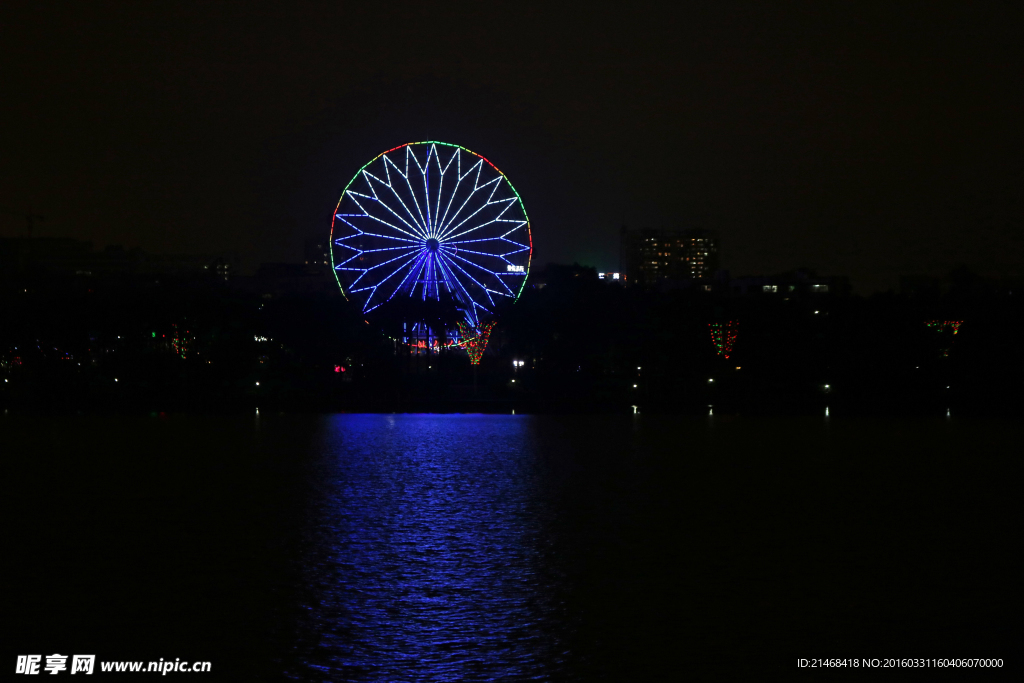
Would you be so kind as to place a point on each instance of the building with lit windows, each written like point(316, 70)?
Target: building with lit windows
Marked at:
point(796, 284)
point(651, 256)
point(317, 253)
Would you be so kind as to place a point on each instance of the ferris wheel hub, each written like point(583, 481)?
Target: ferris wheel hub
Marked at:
point(433, 244)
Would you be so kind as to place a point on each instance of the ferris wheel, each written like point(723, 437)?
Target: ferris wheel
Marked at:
point(431, 220)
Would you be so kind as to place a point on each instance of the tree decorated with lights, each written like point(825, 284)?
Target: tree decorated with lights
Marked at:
point(947, 330)
point(475, 340)
point(723, 337)
point(430, 222)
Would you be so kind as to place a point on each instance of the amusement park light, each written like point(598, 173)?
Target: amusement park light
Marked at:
point(257, 383)
point(430, 220)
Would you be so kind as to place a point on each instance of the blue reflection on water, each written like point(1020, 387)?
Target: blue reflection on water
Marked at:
point(428, 555)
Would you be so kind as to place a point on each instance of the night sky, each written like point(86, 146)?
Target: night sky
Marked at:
point(853, 138)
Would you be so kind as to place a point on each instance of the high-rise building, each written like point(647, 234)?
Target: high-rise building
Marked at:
point(650, 256)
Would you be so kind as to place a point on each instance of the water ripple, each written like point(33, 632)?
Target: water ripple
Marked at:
point(428, 554)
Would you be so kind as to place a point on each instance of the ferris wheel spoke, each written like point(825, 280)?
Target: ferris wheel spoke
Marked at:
point(454, 284)
point(458, 182)
point(391, 186)
point(383, 249)
point(417, 232)
point(477, 188)
point(487, 290)
point(478, 253)
point(409, 153)
point(425, 170)
point(364, 272)
point(490, 272)
point(448, 235)
point(440, 182)
point(501, 257)
point(423, 221)
point(475, 281)
point(522, 248)
point(381, 220)
point(414, 226)
point(478, 167)
point(375, 287)
point(519, 224)
point(362, 233)
point(495, 238)
point(387, 237)
point(392, 260)
point(473, 229)
point(431, 278)
point(415, 267)
point(496, 219)
point(425, 175)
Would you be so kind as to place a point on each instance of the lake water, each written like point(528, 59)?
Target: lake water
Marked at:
point(509, 547)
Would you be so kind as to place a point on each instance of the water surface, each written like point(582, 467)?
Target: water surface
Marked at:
point(500, 547)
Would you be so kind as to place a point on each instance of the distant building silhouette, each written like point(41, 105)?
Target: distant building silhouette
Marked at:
point(317, 254)
point(62, 256)
point(649, 256)
point(274, 280)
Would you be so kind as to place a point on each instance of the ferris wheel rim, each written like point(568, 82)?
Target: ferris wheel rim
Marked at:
point(434, 143)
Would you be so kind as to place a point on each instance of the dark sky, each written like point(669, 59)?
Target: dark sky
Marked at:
point(852, 138)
